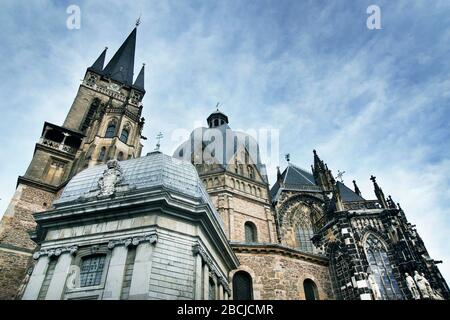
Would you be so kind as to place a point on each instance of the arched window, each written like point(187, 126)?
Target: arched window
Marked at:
point(250, 232)
point(92, 270)
point(304, 235)
point(212, 290)
point(110, 130)
point(384, 283)
point(242, 286)
point(120, 156)
point(310, 288)
point(101, 154)
point(124, 136)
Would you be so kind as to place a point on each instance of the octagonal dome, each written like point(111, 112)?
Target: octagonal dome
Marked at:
point(154, 170)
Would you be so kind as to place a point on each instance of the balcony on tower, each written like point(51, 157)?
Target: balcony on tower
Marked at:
point(59, 138)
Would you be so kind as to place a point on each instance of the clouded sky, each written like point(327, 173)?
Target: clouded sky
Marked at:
point(370, 101)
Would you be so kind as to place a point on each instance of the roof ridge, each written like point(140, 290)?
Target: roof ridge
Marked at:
point(299, 171)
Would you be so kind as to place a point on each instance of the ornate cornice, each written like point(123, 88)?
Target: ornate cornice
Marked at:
point(152, 238)
point(55, 252)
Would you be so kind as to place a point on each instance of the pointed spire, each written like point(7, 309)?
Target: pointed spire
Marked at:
point(379, 193)
point(121, 65)
point(100, 62)
point(322, 174)
point(278, 175)
point(357, 191)
point(139, 82)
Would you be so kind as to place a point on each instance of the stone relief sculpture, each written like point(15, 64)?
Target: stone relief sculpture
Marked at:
point(110, 178)
point(421, 284)
point(432, 293)
point(374, 286)
point(412, 287)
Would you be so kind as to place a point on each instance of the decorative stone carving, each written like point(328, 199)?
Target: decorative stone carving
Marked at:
point(432, 293)
point(421, 284)
point(412, 287)
point(152, 238)
point(72, 277)
point(110, 178)
point(374, 286)
point(55, 252)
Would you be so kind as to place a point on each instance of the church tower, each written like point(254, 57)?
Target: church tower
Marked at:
point(230, 167)
point(104, 122)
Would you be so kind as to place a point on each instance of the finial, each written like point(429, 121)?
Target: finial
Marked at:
point(287, 156)
point(314, 151)
point(138, 21)
point(373, 178)
point(217, 106)
point(159, 136)
point(339, 176)
point(357, 191)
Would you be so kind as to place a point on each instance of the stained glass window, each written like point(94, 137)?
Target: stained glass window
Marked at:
point(124, 136)
point(111, 130)
point(381, 269)
point(92, 270)
point(304, 235)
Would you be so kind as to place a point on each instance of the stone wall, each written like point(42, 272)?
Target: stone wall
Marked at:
point(16, 247)
point(279, 276)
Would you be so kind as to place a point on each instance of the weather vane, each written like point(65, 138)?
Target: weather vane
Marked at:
point(287, 156)
point(138, 21)
point(159, 136)
point(340, 175)
point(217, 106)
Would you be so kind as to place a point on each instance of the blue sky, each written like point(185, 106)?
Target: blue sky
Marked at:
point(370, 101)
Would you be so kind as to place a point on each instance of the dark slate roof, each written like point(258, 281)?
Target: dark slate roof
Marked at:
point(348, 194)
point(99, 63)
point(139, 83)
point(294, 178)
point(121, 66)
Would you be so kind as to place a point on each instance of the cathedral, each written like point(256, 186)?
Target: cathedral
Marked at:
point(93, 218)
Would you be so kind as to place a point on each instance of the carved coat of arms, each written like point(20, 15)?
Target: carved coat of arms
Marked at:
point(110, 178)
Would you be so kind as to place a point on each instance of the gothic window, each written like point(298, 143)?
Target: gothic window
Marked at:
point(102, 153)
point(251, 173)
point(90, 114)
point(124, 136)
point(304, 235)
point(212, 290)
point(381, 268)
point(92, 270)
point(242, 286)
point(250, 232)
point(111, 130)
point(216, 123)
point(310, 289)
